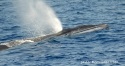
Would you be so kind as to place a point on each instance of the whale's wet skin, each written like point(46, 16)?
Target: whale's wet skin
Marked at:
point(65, 32)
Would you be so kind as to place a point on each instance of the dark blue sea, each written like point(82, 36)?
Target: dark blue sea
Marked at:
point(100, 48)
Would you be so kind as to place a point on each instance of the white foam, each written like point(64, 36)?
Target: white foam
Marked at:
point(16, 42)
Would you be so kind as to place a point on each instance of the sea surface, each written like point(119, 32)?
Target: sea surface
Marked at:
point(100, 48)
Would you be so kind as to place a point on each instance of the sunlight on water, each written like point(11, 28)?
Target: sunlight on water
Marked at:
point(37, 17)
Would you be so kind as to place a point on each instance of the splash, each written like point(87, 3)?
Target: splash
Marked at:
point(37, 17)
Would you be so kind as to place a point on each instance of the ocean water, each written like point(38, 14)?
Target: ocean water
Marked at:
point(100, 48)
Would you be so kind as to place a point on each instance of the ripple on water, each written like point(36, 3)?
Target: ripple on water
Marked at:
point(70, 51)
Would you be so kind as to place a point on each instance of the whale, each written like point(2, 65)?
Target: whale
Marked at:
point(65, 32)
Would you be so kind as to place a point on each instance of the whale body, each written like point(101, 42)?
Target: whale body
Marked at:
point(65, 32)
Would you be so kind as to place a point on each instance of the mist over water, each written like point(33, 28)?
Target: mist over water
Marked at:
point(98, 47)
point(37, 18)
